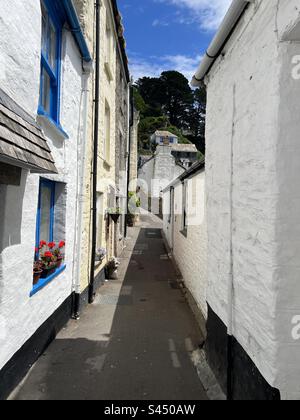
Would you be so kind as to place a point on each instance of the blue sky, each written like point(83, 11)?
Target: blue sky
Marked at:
point(169, 34)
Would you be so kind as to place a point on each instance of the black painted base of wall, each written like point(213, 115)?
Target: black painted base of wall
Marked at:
point(248, 383)
point(99, 281)
point(19, 365)
point(17, 368)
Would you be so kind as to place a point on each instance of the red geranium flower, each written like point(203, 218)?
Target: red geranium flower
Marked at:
point(48, 254)
point(42, 244)
point(51, 245)
point(61, 244)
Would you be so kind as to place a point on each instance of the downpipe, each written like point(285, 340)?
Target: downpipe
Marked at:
point(131, 122)
point(91, 291)
point(88, 68)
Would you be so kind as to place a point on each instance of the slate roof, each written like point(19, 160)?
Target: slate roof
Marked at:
point(160, 133)
point(184, 148)
point(22, 142)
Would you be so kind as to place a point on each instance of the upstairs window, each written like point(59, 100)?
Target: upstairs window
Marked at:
point(50, 63)
point(107, 132)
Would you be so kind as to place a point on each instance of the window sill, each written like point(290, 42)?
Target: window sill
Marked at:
point(44, 282)
point(45, 121)
point(108, 71)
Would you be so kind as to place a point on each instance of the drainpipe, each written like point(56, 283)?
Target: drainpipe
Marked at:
point(230, 277)
point(95, 159)
point(87, 67)
point(131, 122)
point(228, 25)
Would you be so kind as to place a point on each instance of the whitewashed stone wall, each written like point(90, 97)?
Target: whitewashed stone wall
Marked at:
point(20, 314)
point(190, 250)
point(253, 103)
point(159, 172)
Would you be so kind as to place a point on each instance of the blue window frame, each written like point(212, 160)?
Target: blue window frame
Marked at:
point(49, 104)
point(45, 214)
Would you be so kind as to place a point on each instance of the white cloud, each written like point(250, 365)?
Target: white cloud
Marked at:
point(207, 13)
point(141, 67)
point(158, 22)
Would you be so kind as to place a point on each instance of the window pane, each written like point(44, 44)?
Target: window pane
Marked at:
point(106, 145)
point(45, 214)
point(46, 91)
point(44, 30)
point(52, 46)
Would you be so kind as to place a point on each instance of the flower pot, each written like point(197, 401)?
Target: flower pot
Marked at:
point(130, 220)
point(48, 272)
point(36, 276)
point(59, 262)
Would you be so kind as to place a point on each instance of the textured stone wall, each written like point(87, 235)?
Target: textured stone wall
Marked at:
point(190, 249)
point(252, 114)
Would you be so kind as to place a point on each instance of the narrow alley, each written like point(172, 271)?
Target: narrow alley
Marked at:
point(134, 343)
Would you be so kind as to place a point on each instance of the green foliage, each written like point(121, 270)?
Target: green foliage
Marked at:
point(168, 103)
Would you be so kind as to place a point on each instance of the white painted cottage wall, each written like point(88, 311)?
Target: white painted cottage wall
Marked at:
point(22, 315)
point(253, 102)
point(190, 251)
point(159, 172)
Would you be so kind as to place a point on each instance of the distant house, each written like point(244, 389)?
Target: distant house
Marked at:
point(163, 138)
point(157, 173)
point(186, 154)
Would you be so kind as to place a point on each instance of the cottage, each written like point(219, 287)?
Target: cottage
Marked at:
point(156, 174)
point(41, 135)
point(163, 138)
point(184, 225)
point(253, 199)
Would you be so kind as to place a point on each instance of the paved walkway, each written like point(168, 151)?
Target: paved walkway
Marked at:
point(134, 343)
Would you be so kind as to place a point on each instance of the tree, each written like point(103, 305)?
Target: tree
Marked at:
point(168, 102)
point(197, 117)
point(177, 98)
point(150, 89)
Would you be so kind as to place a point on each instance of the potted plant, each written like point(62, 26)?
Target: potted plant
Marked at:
point(111, 269)
point(37, 271)
point(115, 213)
point(58, 253)
point(48, 258)
point(100, 254)
point(134, 205)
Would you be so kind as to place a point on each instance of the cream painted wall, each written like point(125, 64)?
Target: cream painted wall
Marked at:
point(106, 170)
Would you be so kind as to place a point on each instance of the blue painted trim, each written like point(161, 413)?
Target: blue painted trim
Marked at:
point(51, 185)
point(44, 282)
point(58, 21)
point(76, 29)
point(55, 125)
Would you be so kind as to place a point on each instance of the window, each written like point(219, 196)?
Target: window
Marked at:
point(106, 143)
point(50, 63)
point(108, 52)
point(184, 207)
point(50, 227)
point(100, 218)
point(45, 217)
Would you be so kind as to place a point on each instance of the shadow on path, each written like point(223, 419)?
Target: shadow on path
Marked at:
point(145, 356)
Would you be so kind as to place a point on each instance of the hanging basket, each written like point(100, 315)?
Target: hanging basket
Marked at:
point(115, 217)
